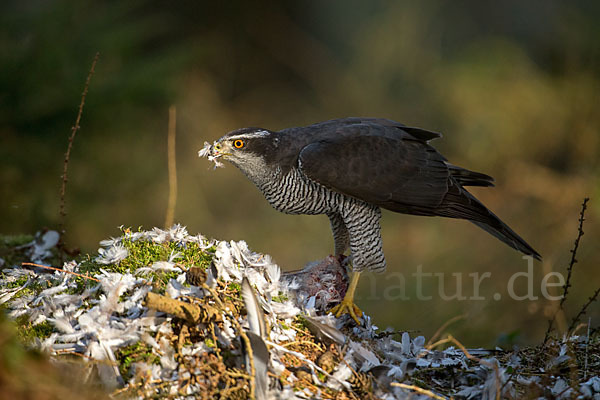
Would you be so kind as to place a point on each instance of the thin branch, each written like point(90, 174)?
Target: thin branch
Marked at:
point(574, 251)
point(442, 328)
point(172, 167)
point(74, 130)
point(572, 263)
point(59, 270)
point(583, 310)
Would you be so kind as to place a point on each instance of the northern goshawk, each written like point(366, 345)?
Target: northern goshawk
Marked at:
point(348, 169)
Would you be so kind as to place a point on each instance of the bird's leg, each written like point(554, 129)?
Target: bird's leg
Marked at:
point(341, 238)
point(347, 305)
point(364, 236)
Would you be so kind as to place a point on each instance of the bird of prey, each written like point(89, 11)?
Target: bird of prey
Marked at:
point(350, 168)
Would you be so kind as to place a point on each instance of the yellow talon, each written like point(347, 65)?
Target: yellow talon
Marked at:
point(347, 305)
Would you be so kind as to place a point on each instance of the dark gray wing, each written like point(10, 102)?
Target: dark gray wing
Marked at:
point(293, 140)
point(396, 169)
point(400, 174)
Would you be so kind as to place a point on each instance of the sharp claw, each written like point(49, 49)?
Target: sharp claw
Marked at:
point(347, 308)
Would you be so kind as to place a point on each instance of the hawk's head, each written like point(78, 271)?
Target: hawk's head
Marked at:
point(252, 150)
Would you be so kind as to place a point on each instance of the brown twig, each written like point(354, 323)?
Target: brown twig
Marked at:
point(74, 130)
point(60, 270)
point(583, 310)
point(172, 167)
point(442, 328)
point(572, 263)
point(419, 390)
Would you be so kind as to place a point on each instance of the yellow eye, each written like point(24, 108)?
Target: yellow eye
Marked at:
point(238, 144)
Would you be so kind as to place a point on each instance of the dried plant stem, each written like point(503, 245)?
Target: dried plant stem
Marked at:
point(60, 270)
point(419, 390)
point(74, 130)
point(572, 263)
point(442, 328)
point(172, 167)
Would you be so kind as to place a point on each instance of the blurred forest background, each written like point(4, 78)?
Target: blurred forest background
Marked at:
point(514, 86)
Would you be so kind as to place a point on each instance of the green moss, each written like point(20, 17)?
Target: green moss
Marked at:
point(88, 267)
point(15, 240)
point(137, 352)
point(280, 298)
point(234, 291)
point(9, 251)
point(144, 253)
point(235, 287)
point(15, 284)
point(27, 332)
point(31, 290)
point(300, 322)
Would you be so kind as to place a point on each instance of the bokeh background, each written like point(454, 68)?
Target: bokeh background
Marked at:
point(513, 85)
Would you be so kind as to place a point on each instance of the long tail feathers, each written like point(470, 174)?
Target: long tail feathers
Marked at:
point(459, 203)
point(508, 236)
point(464, 177)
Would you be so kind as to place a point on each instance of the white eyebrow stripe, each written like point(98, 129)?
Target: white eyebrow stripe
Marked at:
point(250, 135)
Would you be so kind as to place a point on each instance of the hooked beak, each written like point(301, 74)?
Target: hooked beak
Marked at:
point(217, 150)
point(212, 152)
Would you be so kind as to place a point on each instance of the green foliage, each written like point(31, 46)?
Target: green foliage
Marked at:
point(144, 253)
point(280, 298)
point(17, 283)
point(234, 286)
point(136, 352)
point(300, 322)
point(27, 332)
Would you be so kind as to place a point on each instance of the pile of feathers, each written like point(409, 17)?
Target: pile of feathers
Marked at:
point(258, 333)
